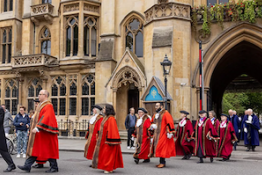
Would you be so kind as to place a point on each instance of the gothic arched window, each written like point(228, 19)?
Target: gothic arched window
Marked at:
point(45, 40)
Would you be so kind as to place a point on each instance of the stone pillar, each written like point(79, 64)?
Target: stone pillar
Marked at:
point(81, 31)
point(108, 17)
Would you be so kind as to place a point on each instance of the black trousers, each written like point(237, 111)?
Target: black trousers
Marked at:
point(129, 135)
point(6, 156)
point(31, 160)
point(199, 151)
point(162, 160)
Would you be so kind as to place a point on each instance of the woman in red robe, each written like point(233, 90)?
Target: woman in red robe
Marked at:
point(227, 138)
point(108, 155)
point(163, 128)
point(184, 146)
point(91, 135)
point(215, 122)
point(143, 137)
point(204, 135)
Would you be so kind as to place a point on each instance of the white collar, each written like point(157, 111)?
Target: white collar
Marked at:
point(139, 121)
point(223, 124)
point(93, 119)
point(201, 121)
point(182, 122)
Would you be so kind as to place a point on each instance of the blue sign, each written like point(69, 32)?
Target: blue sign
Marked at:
point(153, 95)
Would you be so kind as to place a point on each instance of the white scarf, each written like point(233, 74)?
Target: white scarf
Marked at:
point(213, 120)
point(182, 122)
point(139, 121)
point(201, 121)
point(93, 119)
point(223, 124)
point(250, 118)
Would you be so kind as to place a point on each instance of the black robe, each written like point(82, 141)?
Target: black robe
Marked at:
point(3, 146)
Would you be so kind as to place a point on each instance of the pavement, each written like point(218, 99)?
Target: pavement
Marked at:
point(77, 145)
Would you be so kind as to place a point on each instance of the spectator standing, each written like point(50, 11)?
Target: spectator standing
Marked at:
point(21, 123)
point(130, 123)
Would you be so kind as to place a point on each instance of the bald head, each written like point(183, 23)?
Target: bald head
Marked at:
point(230, 112)
point(249, 112)
point(43, 95)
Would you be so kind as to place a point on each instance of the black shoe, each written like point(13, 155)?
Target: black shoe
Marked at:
point(211, 159)
point(38, 166)
point(185, 157)
point(136, 160)
point(253, 149)
point(201, 160)
point(52, 170)
point(188, 156)
point(248, 149)
point(10, 168)
point(224, 160)
point(24, 168)
point(90, 166)
point(146, 161)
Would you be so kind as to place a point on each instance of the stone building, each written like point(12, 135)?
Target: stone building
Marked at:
point(109, 51)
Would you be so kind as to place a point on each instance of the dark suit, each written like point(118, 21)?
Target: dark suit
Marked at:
point(3, 147)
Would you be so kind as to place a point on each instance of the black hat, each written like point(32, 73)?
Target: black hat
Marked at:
point(36, 100)
point(97, 106)
point(224, 115)
point(142, 109)
point(202, 112)
point(184, 112)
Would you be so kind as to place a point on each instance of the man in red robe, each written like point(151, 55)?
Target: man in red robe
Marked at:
point(204, 135)
point(92, 133)
point(227, 138)
point(163, 128)
point(184, 146)
point(43, 140)
point(215, 122)
point(143, 137)
point(108, 155)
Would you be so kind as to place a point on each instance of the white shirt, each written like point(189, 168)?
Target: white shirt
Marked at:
point(139, 122)
point(201, 121)
point(93, 119)
point(213, 120)
point(250, 118)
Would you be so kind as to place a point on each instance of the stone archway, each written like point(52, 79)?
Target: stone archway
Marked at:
point(224, 56)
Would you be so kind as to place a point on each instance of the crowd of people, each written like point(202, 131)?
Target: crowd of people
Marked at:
point(154, 136)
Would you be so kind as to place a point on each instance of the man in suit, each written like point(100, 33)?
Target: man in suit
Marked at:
point(3, 147)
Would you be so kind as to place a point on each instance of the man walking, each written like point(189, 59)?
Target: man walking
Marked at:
point(43, 140)
point(130, 127)
point(8, 121)
point(3, 147)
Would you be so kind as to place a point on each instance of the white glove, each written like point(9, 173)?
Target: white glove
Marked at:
point(6, 135)
point(132, 138)
point(245, 130)
point(170, 136)
point(248, 121)
point(151, 140)
point(153, 126)
point(239, 130)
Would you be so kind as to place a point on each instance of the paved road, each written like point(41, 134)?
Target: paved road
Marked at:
point(73, 163)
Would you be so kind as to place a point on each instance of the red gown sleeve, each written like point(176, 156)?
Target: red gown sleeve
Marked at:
point(47, 120)
point(113, 137)
point(211, 133)
point(232, 132)
point(169, 123)
point(189, 130)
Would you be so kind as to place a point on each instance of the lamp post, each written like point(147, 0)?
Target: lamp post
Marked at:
point(166, 69)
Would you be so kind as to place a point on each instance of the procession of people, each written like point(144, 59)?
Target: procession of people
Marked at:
point(151, 137)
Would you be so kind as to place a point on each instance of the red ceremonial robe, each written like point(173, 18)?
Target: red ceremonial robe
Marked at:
point(44, 144)
point(108, 155)
point(202, 134)
point(143, 138)
point(162, 146)
point(183, 143)
point(216, 126)
point(91, 136)
point(227, 137)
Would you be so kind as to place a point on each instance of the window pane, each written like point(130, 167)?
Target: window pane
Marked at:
point(211, 2)
point(48, 47)
point(7, 104)
point(85, 106)
point(9, 53)
point(63, 90)
point(14, 107)
point(54, 90)
point(223, 1)
point(62, 106)
point(72, 106)
point(7, 92)
point(4, 54)
point(134, 25)
point(93, 89)
point(68, 41)
point(54, 102)
point(85, 89)
point(139, 44)
point(4, 36)
point(38, 89)
point(92, 104)
point(14, 92)
point(86, 40)
point(5, 6)
point(10, 36)
point(129, 41)
point(11, 5)
point(73, 89)
point(31, 104)
point(44, 47)
point(31, 91)
point(93, 42)
point(75, 41)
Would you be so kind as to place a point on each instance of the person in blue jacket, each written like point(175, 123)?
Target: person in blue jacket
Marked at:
point(251, 130)
point(21, 123)
point(233, 118)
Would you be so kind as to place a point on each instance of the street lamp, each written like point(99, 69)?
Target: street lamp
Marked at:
point(166, 69)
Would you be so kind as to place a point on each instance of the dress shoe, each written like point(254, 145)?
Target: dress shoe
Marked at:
point(52, 170)
point(146, 161)
point(161, 166)
point(184, 158)
point(90, 166)
point(24, 168)
point(211, 159)
point(189, 156)
point(136, 160)
point(10, 168)
point(38, 166)
point(201, 160)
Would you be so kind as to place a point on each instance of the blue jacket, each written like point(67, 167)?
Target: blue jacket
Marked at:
point(236, 124)
point(20, 119)
point(254, 131)
point(130, 121)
